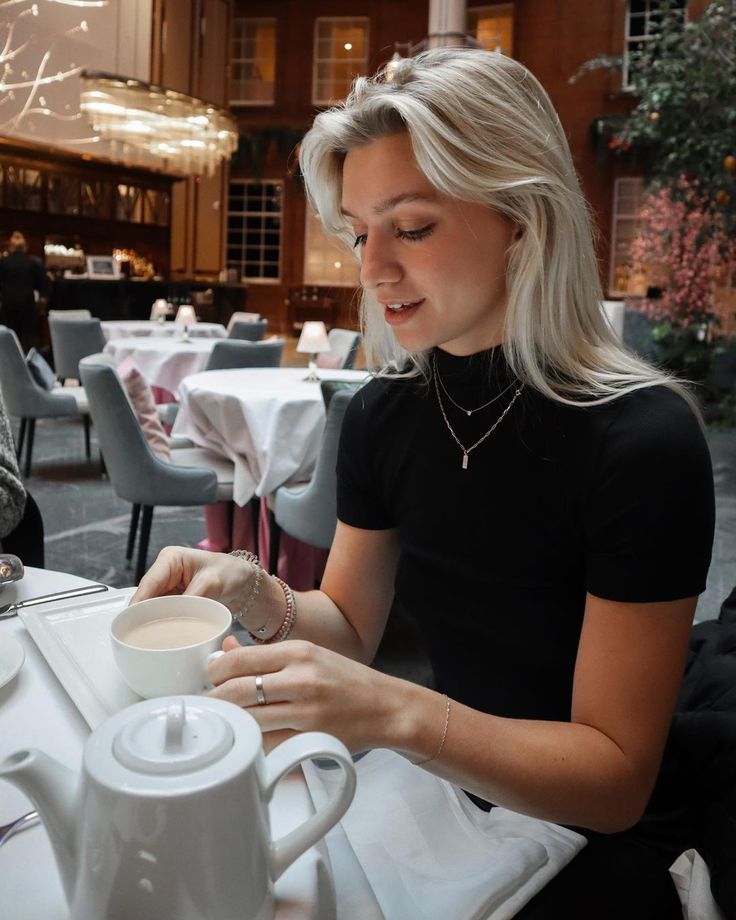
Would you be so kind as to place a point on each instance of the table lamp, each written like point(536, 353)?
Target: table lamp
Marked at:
point(312, 341)
point(186, 317)
point(160, 310)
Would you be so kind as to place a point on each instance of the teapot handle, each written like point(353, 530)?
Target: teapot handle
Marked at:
point(283, 759)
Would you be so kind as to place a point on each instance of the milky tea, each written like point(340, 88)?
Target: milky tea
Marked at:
point(170, 632)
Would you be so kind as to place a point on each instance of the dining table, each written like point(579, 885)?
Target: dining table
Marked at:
point(127, 328)
point(267, 421)
point(40, 707)
point(163, 360)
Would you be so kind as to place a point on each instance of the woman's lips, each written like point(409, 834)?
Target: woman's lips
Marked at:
point(397, 317)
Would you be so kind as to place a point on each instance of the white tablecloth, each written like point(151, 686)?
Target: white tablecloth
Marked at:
point(124, 328)
point(35, 711)
point(268, 421)
point(164, 362)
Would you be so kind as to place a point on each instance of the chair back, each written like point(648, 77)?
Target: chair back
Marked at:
point(251, 332)
point(310, 514)
point(72, 340)
point(70, 314)
point(24, 398)
point(232, 353)
point(136, 474)
point(240, 316)
point(344, 344)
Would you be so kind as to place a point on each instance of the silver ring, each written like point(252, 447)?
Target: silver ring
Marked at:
point(260, 695)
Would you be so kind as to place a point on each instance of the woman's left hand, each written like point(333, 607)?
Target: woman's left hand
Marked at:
point(307, 688)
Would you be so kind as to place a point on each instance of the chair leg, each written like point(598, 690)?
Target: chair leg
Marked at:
point(86, 421)
point(274, 543)
point(230, 524)
point(29, 446)
point(134, 517)
point(255, 510)
point(21, 437)
point(140, 569)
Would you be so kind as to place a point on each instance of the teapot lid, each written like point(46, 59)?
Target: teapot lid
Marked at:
point(176, 736)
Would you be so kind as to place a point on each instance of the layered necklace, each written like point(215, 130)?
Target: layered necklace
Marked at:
point(466, 450)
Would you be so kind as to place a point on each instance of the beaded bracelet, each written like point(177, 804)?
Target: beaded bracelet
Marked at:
point(289, 619)
point(247, 556)
point(419, 763)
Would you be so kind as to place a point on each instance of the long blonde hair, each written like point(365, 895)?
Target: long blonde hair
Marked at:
point(483, 129)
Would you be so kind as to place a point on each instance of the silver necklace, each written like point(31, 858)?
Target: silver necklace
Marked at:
point(463, 448)
point(457, 405)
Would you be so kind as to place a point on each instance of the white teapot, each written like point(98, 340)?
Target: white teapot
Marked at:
point(169, 818)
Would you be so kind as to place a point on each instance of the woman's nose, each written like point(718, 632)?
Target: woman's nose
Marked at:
point(378, 265)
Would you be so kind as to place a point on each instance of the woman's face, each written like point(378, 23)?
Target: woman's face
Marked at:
point(438, 265)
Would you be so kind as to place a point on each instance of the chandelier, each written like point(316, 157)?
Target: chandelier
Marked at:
point(189, 135)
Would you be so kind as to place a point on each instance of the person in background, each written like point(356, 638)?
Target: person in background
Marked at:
point(22, 281)
point(538, 498)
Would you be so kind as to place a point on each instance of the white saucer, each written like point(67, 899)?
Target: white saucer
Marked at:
point(12, 656)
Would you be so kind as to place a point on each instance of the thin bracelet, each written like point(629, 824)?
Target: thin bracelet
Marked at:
point(419, 763)
point(289, 618)
point(251, 558)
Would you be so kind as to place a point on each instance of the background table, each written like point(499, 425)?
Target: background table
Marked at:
point(35, 711)
point(268, 421)
point(125, 328)
point(163, 361)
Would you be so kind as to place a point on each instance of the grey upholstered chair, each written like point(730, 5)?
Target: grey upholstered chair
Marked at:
point(72, 340)
point(28, 401)
point(231, 353)
point(70, 314)
point(241, 316)
point(344, 345)
point(195, 476)
point(309, 511)
point(251, 332)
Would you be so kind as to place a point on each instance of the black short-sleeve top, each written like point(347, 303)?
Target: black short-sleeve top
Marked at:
point(496, 559)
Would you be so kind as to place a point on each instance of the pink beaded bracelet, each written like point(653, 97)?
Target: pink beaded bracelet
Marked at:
point(289, 619)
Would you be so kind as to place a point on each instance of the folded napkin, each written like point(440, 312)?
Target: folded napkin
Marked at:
point(692, 880)
point(428, 853)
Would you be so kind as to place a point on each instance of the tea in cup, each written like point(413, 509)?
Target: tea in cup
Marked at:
point(162, 646)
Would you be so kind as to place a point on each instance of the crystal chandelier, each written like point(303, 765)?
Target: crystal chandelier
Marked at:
point(190, 135)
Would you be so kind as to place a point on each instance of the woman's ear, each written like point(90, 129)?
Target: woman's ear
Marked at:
point(518, 234)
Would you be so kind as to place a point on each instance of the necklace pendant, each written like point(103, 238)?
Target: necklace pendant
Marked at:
point(469, 411)
point(465, 461)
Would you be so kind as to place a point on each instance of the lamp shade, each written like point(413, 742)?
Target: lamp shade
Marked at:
point(185, 315)
point(313, 338)
point(159, 309)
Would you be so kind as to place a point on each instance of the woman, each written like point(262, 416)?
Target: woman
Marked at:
point(22, 280)
point(539, 499)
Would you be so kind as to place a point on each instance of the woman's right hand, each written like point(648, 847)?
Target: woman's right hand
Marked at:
point(178, 570)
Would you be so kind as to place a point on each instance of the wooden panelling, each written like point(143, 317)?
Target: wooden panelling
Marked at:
point(177, 44)
point(208, 223)
point(214, 34)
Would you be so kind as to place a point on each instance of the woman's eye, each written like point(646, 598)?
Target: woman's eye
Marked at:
point(414, 235)
point(360, 240)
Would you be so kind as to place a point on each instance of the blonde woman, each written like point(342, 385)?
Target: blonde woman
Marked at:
point(536, 497)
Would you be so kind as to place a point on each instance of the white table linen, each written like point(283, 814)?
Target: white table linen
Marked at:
point(268, 421)
point(35, 711)
point(126, 328)
point(164, 362)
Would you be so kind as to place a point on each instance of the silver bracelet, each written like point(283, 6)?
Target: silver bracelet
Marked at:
point(251, 558)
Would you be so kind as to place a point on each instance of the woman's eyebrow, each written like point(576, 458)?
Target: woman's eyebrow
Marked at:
point(390, 203)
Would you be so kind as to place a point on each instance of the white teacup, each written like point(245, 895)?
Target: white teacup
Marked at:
point(162, 646)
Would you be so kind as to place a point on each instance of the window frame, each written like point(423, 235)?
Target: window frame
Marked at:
point(508, 9)
point(616, 218)
point(249, 103)
point(317, 60)
point(241, 263)
point(629, 40)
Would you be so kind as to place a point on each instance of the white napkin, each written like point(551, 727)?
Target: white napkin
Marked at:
point(692, 880)
point(428, 853)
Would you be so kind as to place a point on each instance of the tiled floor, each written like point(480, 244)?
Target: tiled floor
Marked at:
point(86, 527)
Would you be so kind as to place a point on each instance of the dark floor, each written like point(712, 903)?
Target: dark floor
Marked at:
point(86, 528)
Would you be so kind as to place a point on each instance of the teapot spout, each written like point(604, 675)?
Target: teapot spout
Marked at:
point(52, 788)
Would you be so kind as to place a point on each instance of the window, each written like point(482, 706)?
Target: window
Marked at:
point(253, 62)
point(493, 27)
point(254, 219)
point(22, 188)
point(642, 19)
point(326, 260)
point(340, 55)
point(627, 199)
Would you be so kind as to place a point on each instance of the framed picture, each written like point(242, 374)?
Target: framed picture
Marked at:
point(103, 267)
